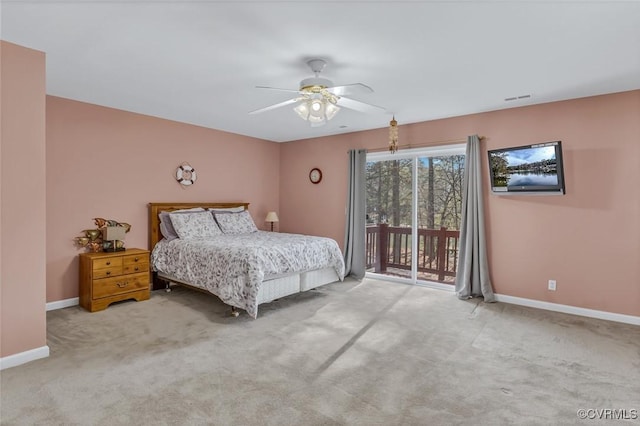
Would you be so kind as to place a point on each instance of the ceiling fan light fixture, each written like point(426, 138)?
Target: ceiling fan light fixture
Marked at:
point(302, 109)
point(331, 110)
point(318, 99)
point(317, 120)
point(317, 107)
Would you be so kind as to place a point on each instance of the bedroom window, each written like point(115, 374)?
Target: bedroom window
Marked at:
point(414, 201)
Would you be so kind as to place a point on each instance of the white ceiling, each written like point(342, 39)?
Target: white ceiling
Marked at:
point(199, 61)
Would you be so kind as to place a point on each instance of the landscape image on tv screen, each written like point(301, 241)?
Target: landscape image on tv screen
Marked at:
point(524, 167)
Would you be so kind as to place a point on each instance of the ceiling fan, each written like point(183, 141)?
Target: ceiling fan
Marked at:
point(318, 100)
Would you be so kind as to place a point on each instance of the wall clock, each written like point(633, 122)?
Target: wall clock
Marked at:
point(315, 175)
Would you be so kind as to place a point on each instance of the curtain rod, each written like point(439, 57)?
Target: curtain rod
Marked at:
point(422, 145)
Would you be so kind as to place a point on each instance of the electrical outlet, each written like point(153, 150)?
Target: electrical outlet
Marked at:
point(552, 285)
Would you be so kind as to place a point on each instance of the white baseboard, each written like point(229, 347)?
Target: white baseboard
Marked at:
point(567, 309)
point(74, 301)
point(538, 304)
point(24, 357)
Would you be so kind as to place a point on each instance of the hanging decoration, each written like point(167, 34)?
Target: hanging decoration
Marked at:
point(393, 135)
point(186, 175)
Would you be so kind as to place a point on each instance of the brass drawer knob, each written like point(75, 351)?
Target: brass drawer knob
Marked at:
point(108, 263)
point(108, 272)
point(136, 268)
point(136, 259)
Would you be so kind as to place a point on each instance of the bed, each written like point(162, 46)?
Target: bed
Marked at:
point(243, 269)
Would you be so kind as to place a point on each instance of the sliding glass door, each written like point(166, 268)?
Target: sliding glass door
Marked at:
point(390, 217)
point(413, 214)
point(439, 209)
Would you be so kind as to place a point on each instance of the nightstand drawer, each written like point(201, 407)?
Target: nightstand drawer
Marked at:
point(118, 285)
point(135, 263)
point(111, 271)
point(107, 262)
point(135, 258)
point(139, 267)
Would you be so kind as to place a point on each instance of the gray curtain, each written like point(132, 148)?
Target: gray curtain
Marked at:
point(472, 276)
point(354, 235)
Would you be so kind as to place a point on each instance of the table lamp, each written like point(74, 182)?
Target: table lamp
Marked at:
point(113, 234)
point(271, 217)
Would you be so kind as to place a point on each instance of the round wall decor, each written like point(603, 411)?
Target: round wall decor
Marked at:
point(315, 175)
point(186, 175)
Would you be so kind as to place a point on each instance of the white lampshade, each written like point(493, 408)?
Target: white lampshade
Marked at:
point(271, 217)
point(316, 118)
point(302, 110)
point(331, 110)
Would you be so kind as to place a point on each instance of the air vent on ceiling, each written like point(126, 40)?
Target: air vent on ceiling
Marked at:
point(515, 98)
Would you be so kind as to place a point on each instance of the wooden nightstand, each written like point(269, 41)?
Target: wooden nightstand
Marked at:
point(110, 277)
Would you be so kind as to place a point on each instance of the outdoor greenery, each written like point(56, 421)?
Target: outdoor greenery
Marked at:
point(389, 192)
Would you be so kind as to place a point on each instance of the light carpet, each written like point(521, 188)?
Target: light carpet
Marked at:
point(369, 353)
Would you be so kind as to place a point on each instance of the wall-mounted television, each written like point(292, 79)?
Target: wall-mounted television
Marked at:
point(529, 169)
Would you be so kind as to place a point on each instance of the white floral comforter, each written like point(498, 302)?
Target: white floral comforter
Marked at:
point(217, 264)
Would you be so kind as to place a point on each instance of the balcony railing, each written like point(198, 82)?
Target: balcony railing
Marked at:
point(389, 247)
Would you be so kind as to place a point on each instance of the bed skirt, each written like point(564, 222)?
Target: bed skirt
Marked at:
point(277, 287)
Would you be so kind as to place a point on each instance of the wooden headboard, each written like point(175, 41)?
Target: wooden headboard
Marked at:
point(155, 208)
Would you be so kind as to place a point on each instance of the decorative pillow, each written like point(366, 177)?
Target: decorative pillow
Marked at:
point(236, 223)
point(166, 227)
point(194, 226)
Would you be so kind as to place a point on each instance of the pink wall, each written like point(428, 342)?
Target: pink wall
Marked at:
point(318, 209)
point(588, 240)
point(23, 209)
point(103, 162)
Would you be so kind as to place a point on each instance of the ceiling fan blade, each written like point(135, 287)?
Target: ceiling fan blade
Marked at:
point(350, 89)
point(278, 89)
point(359, 106)
point(278, 105)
